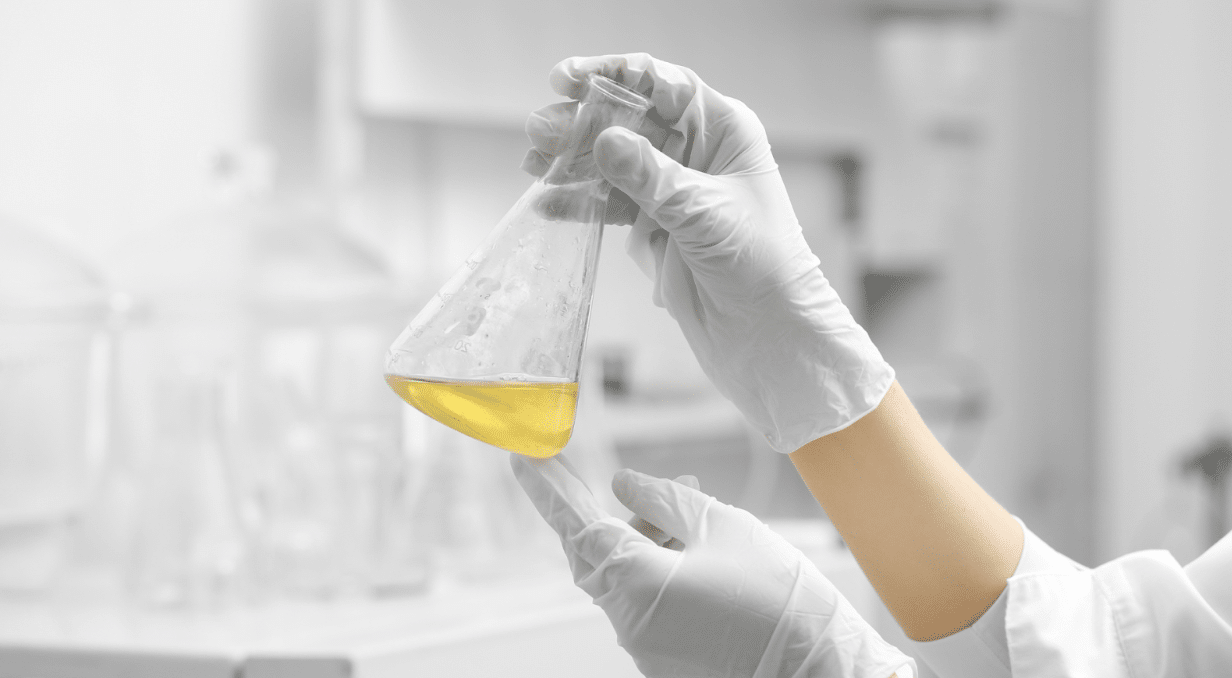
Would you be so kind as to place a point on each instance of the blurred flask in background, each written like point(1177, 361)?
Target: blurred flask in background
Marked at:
point(265, 303)
point(54, 369)
point(188, 549)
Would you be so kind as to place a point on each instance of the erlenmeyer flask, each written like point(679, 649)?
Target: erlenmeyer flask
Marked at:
point(496, 353)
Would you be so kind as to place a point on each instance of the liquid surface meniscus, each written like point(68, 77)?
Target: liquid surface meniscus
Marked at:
point(530, 418)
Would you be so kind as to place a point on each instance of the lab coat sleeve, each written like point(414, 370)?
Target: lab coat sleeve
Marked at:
point(981, 650)
point(1138, 616)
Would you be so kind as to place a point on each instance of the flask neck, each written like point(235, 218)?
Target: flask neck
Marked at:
point(605, 104)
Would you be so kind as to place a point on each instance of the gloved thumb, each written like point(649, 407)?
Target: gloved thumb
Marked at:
point(652, 532)
point(675, 508)
point(669, 193)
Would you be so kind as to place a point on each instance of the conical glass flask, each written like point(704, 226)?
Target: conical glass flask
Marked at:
point(496, 353)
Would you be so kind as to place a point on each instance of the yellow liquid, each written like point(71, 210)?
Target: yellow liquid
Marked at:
point(534, 419)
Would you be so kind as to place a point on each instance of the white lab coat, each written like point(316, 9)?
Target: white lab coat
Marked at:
point(1138, 616)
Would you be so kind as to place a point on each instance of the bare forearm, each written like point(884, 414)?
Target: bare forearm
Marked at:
point(936, 547)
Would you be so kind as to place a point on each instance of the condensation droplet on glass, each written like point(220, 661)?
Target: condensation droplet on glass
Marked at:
point(474, 318)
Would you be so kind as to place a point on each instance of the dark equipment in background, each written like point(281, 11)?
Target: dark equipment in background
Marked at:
point(1213, 461)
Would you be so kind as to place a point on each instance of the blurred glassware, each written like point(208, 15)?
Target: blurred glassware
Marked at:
point(54, 371)
point(479, 523)
point(188, 549)
point(937, 75)
point(324, 433)
point(266, 298)
point(496, 353)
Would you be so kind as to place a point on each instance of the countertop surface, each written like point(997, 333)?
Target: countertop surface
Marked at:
point(530, 624)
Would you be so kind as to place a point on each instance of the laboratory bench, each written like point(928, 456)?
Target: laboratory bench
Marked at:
point(537, 625)
point(530, 626)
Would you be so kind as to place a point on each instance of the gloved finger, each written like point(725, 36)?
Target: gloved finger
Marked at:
point(685, 202)
point(547, 127)
point(525, 473)
point(615, 550)
point(575, 202)
point(558, 495)
point(675, 508)
point(568, 466)
point(649, 531)
point(645, 245)
point(652, 532)
point(570, 202)
point(621, 210)
point(677, 291)
point(536, 163)
point(675, 544)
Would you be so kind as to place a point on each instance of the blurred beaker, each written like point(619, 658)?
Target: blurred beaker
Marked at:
point(477, 519)
point(496, 353)
point(54, 370)
point(324, 438)
point(267, 294)
point(188, 548)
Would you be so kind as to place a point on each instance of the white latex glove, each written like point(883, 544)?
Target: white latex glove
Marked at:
point(717, 232)
point(735, 600)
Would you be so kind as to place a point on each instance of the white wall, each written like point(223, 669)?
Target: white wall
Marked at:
point(1166, 312)
point(805, 67)
point(1031, 294)
point(110, 112)
point(1005, 297)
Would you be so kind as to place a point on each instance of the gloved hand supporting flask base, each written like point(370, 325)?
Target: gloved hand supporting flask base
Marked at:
point(732, 599)
point(496, 353)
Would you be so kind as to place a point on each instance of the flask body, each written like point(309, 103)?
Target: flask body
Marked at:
point(496, 352)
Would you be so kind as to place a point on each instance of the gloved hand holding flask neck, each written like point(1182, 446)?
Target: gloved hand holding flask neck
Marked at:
point(731, 599)
point(713, 225)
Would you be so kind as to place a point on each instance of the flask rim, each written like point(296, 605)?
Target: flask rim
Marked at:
point(618, 92)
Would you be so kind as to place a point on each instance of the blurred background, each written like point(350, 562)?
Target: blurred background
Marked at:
point(216, 214)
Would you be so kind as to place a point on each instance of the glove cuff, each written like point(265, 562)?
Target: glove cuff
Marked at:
point(851, 380)
point(818, 374)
